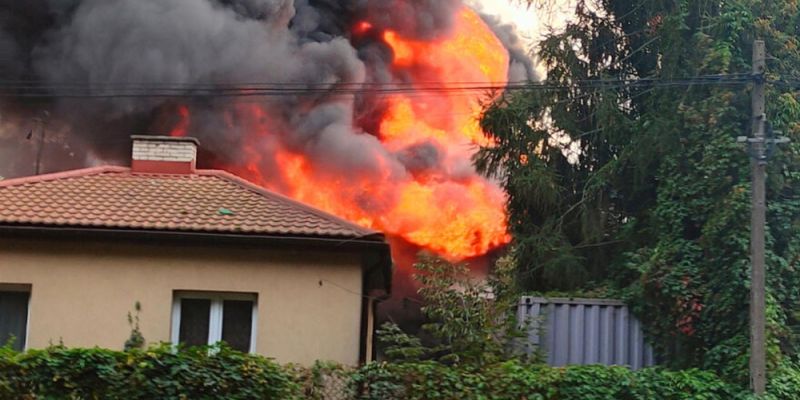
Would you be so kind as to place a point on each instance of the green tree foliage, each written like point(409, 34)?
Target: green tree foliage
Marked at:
point(645, 187)
point(471, 322)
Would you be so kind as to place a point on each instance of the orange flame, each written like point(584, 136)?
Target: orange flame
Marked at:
point(449, 209)
point(362, 28)
point(468, 218)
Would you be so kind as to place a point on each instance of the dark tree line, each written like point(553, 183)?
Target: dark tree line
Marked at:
point(641, 189)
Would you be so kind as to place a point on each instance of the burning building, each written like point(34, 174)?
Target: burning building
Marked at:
point(365, 109)
point(209, 256)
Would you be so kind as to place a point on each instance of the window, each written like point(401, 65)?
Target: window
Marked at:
point(14, 314)
point(200, 318)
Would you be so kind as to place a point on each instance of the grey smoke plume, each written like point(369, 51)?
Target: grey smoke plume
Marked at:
point(190, 42)
point(521, 67)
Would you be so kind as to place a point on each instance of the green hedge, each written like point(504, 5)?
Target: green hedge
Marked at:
point(156, 373)
point(513, 380)
point(219, 372)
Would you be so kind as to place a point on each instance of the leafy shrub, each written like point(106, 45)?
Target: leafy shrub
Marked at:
point(324, 381)
point(159, 372)
point(784, 382)
point(470, 321)
point(136, 339)
point(220, 372)
point(516, 380)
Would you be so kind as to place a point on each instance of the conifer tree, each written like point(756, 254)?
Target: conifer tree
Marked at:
point(615, 179)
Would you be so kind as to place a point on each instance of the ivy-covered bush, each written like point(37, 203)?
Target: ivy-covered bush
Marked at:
point(221, 373)
point(784, 382)
point(516, 380)
point(156, 373)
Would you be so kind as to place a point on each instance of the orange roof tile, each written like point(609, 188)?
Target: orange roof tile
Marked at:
point(209, 201)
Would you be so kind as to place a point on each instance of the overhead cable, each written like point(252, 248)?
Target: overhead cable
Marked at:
point(10, 88)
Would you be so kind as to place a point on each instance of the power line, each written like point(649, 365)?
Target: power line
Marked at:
point(261, 89)
point(786, 83)
point(306, 84)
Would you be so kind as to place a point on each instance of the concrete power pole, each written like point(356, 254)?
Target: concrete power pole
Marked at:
point(758, 375)
point(762, 143)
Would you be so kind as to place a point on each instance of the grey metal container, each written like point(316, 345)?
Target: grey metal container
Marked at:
point(584, 331)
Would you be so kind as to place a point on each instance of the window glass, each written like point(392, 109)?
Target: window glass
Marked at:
point(237, 322)
point(13, 318)
point(194, 321)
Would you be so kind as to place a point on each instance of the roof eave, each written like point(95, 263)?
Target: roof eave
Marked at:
point(372, 240)
point(371, 244)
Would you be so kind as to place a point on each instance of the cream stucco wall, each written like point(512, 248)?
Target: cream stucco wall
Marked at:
point(82, 291)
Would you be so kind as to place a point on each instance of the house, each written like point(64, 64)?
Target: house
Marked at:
point(208, 255)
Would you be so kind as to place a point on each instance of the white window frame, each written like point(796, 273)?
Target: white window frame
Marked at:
point(25, 288)
point(215, 314)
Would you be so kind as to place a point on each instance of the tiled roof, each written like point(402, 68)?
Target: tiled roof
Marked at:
point(208, 201)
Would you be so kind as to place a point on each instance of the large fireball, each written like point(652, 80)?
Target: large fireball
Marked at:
point(442, 204)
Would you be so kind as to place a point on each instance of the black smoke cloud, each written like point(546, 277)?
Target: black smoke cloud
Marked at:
point(190, 42)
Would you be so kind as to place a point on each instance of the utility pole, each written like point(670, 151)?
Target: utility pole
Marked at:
point(758, 374)
point(761, 143)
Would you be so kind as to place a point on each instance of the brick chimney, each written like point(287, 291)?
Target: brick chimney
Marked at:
point(163, 154)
